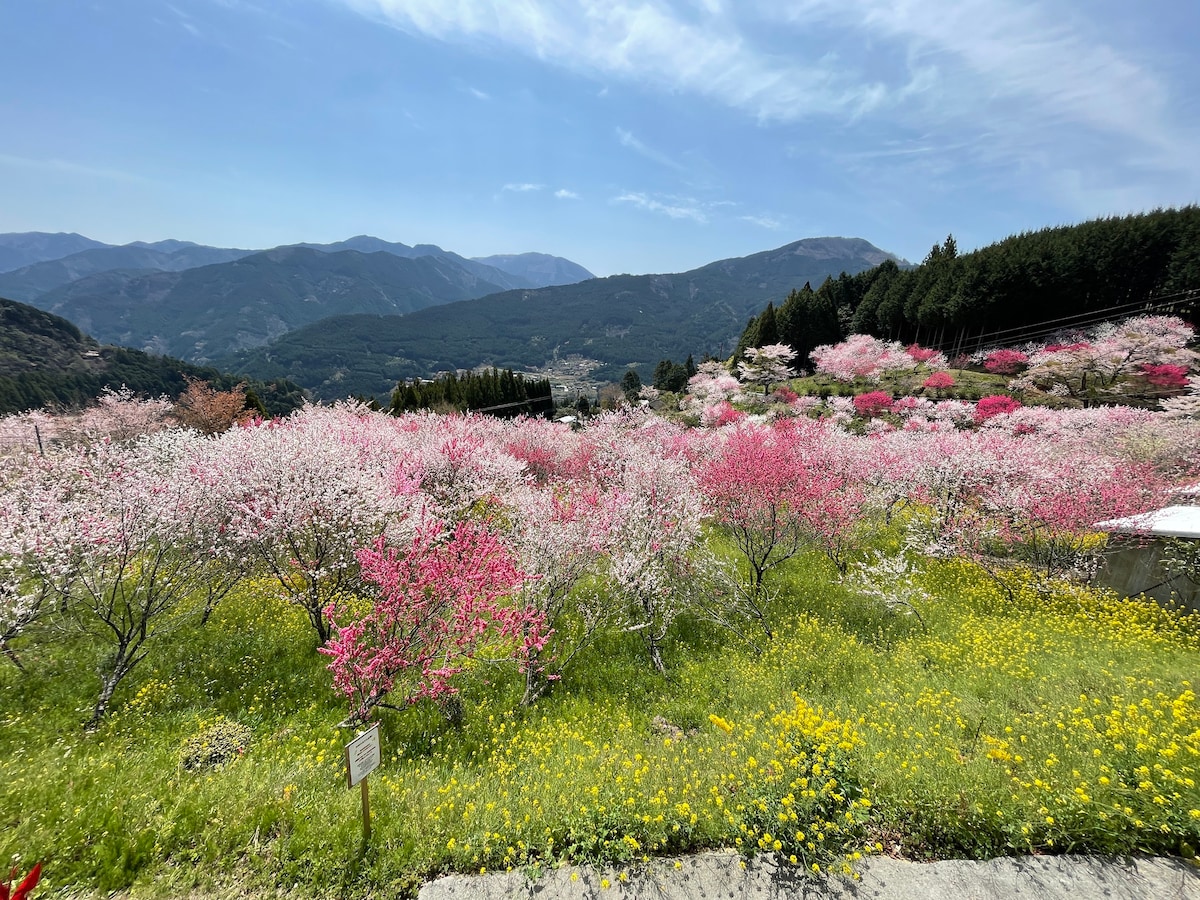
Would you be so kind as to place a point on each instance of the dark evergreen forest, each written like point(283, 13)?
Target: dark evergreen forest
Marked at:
point(497, 392)
point(999, 293)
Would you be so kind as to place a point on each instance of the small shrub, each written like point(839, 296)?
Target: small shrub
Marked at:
point(1005, 362)
point(216, 745)
point(1165, 375)
point(995, 405)
point(872, 403)
point(938, 381)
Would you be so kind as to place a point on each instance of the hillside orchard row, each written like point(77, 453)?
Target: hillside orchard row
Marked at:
point(417, 544)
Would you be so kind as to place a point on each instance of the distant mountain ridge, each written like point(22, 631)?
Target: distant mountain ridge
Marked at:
point(29, 282)
point(24, 248)
point(620, 321)
point(209, 311)
point(364, 243)
point(540, 269)
point(35, 263)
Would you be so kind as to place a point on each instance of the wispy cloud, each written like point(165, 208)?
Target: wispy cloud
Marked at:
point(628, 139)
point(1054, 85)
point(768, 222)
point(517, 187)
point(564, 194)
point(66, 167)
point(478, 94)
point(1028, 73)
point(675, 208)
point(185, 22)
point(649, 42)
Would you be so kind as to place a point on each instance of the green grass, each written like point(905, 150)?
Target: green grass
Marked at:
point(1046, 723)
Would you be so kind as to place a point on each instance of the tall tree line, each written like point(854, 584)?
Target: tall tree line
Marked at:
point(494, 390)
point(1022, 280)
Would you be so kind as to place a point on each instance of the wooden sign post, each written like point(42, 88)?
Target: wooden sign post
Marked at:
point(362, 758)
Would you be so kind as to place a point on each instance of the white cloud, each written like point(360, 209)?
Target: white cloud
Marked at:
point(1052, 84)
point(478, 94)
point(643, 41)
point(627, 139)
point(66, 167)
point(1028, 68)
point(564, 194)
point(523, 187)
point(768, 222)
point(676, 209)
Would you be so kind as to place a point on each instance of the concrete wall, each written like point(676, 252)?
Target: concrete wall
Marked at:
point(1133, 566)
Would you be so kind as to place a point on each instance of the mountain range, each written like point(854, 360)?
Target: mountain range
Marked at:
point(356, 316)
point(602, 326)
point(32, 263)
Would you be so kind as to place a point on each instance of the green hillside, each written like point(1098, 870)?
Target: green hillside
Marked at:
point(210, 311)
point(620, 321)
point(47, 361)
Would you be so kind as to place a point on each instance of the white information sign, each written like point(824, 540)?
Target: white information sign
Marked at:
point(362, 756)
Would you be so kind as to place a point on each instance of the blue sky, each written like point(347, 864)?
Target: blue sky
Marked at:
point(630, 136)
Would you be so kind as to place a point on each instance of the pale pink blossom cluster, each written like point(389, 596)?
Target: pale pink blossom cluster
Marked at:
point(712, 384)
point(412, 543)
point(1114, 360)
point(116, 415)
point(865, 357)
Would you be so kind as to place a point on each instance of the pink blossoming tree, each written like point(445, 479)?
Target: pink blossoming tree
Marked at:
point(443, 598)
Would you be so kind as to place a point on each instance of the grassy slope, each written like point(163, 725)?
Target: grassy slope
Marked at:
point(1008, 727)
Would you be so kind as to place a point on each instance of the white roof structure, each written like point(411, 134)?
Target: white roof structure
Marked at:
point(1171, 521)
point(1189, 494)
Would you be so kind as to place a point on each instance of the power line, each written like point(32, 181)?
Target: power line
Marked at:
point(1026, 333)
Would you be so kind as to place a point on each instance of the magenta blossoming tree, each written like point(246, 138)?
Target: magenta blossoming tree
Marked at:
point(938, 381)
point(1006, 361)
point(777, 490)
point(873, 403)
point(443, 599)
point(995, 405)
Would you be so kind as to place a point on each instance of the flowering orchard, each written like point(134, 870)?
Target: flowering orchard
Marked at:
point(813, 628)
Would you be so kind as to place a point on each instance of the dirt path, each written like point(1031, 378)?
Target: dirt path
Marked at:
point(721, 876)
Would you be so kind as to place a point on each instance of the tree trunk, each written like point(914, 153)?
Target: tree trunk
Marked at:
point(656, 659)
point(536, 687)
point(8, 651)
point(108, 685)
point(316, 615)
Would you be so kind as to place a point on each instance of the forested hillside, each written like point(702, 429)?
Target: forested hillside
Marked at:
point(617, 322)
point(203, 313)
point(953, 299)
point(46, 361)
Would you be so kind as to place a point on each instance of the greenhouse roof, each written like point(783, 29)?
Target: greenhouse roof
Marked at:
point(1171, 521)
